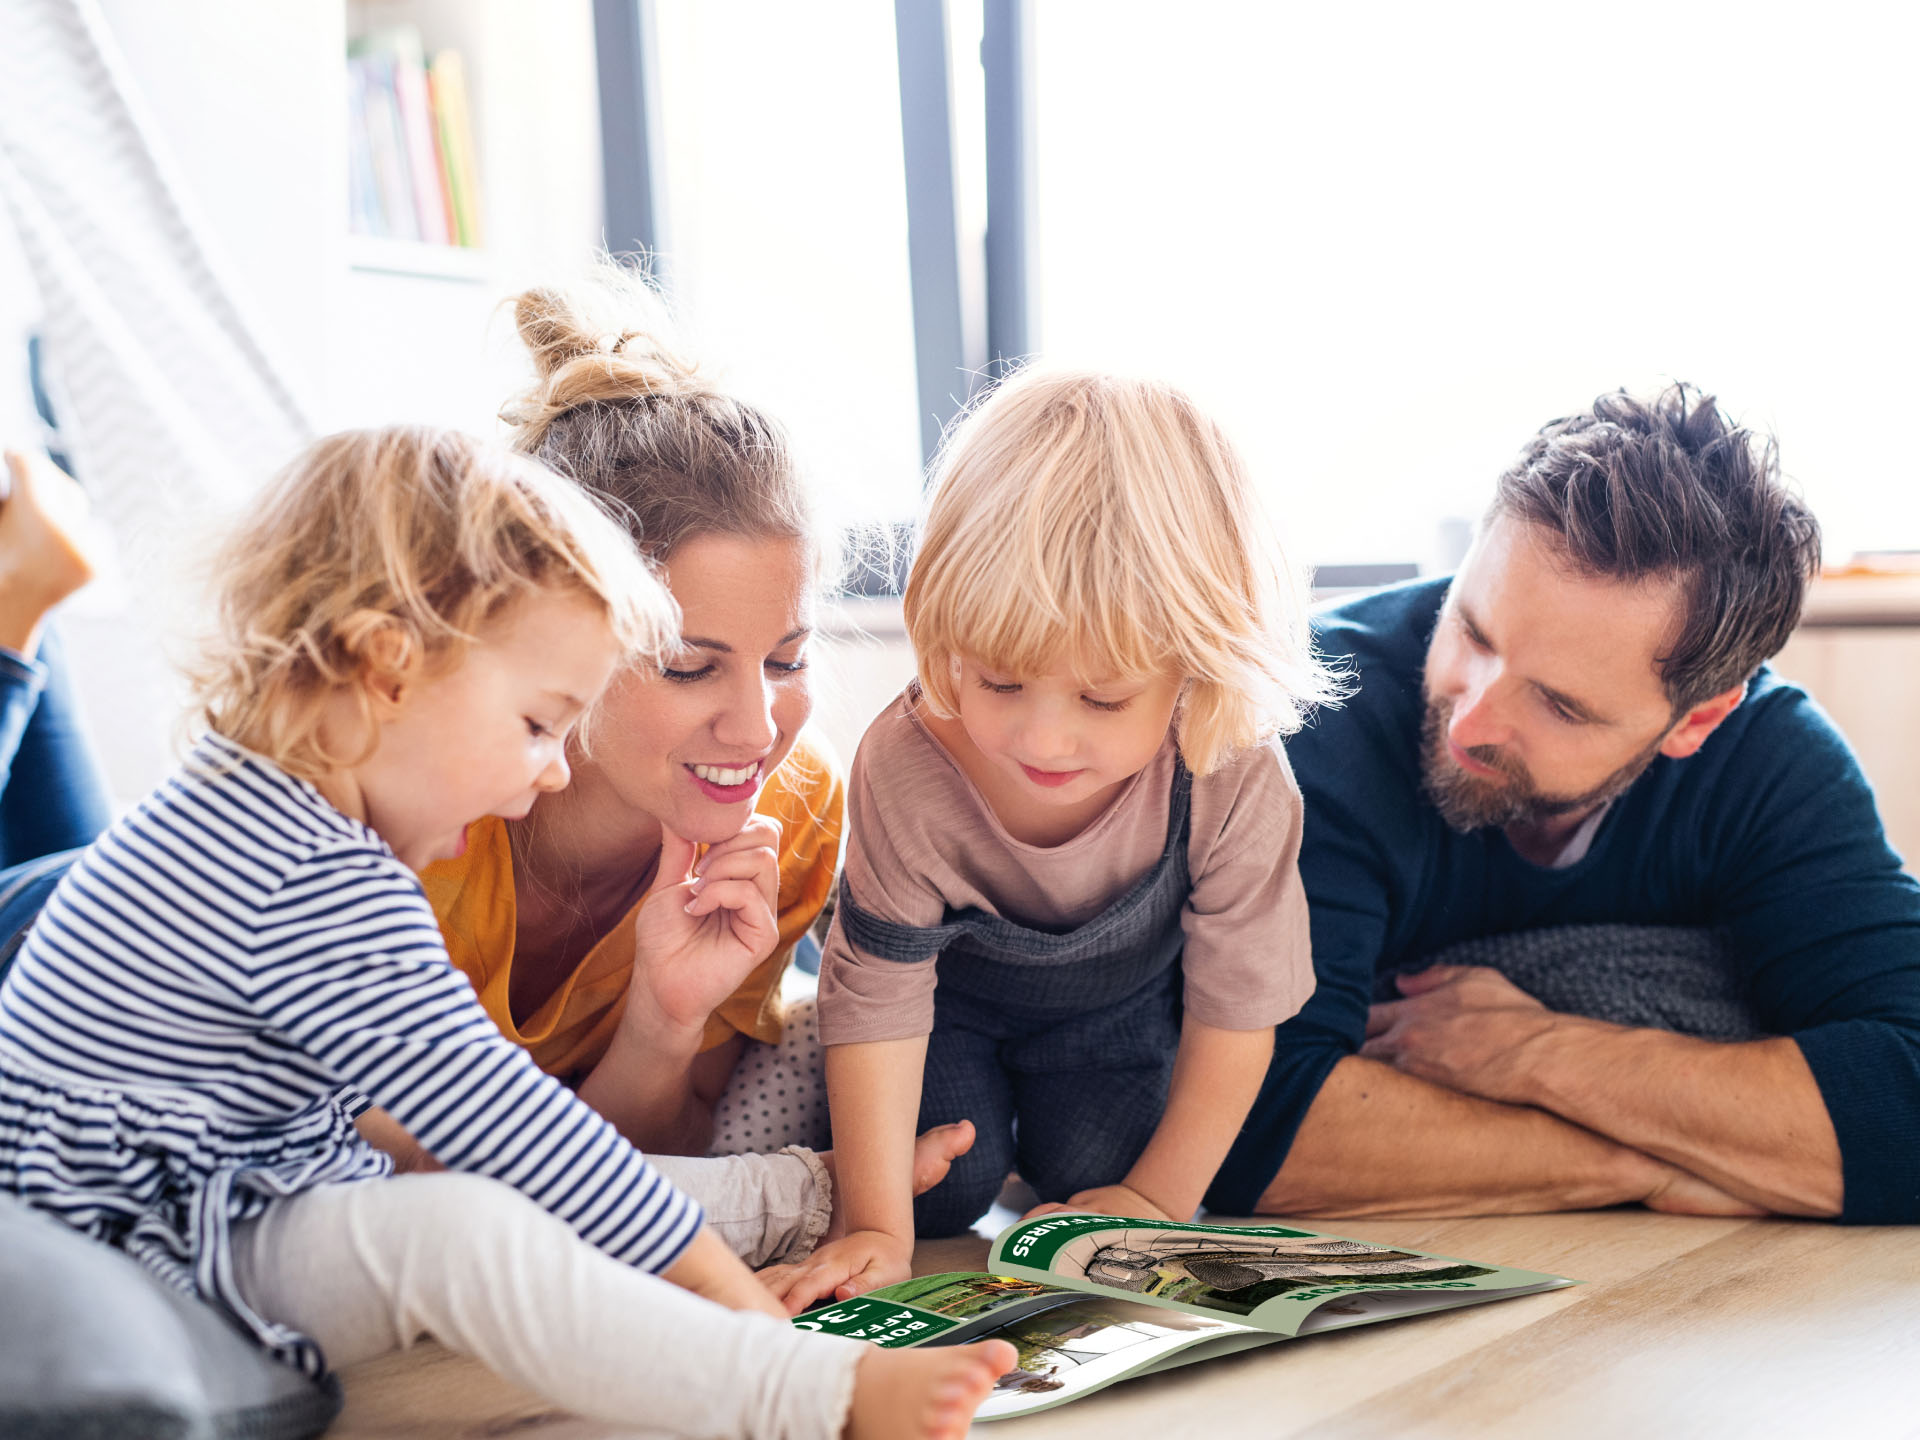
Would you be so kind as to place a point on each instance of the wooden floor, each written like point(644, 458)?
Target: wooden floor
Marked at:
point(1684, 1328)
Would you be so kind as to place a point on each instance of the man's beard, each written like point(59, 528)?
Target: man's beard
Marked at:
point(1471, 802)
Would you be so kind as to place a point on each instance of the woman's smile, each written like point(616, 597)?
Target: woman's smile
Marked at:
point(727, 784)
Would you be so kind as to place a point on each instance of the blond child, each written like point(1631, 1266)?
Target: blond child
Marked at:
point(1078, 820)
point(410, 626)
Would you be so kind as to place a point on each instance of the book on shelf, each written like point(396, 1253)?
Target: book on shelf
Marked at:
point(363, 195)
point(409, 142)
point(1088, 1300)
point(447, 83)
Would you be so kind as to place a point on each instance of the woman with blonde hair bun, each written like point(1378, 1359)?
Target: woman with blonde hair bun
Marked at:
point(699, 764)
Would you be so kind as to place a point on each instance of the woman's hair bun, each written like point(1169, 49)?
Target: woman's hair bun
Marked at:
point(605, 339)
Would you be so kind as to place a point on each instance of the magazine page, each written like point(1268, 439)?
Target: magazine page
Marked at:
point(954, 1307)
point(1089, 1342)
point(1272, 1277)
point(1069, 1344)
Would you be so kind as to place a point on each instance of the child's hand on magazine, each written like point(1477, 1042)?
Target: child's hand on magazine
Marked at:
point(698, 936)
point(841, 1269)
point(1104, 1200)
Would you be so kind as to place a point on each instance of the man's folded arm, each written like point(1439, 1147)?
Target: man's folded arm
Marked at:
point(1826, 923)
point(1747, 1118)
point(1373, 1141)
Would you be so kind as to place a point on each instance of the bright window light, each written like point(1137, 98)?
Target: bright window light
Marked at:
point(1386, 242)
point(785, 220)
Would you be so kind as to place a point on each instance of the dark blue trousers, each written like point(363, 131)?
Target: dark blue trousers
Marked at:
point(52, 799)
point(1069, 1101)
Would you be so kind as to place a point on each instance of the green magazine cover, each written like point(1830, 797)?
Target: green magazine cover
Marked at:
point(1087, 1300)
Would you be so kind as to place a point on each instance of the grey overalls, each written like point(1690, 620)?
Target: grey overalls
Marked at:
point(1058, 1046)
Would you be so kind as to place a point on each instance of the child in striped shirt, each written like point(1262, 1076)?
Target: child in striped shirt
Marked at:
point(409, 626)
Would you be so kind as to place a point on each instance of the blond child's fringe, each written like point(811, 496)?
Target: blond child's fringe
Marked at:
point(1105, 524)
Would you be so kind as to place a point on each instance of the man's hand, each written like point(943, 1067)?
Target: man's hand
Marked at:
point(841, 1269)
point(1463, 1026)
point(702, 929)
point(1104, 1200)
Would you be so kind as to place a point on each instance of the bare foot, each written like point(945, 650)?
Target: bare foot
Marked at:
point(933, 1155)
point(43, 540)
point(924, 1394)
point(936, 1150)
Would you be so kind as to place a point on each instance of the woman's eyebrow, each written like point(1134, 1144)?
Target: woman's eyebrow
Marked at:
point(699, 642)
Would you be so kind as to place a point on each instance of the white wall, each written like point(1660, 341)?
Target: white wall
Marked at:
point(250, 103)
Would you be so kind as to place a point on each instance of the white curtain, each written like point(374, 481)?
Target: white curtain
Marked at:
point(171, 400)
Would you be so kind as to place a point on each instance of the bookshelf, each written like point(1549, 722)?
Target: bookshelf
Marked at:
point(379, 255)
point(412, 176)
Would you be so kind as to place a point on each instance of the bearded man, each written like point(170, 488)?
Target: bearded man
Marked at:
point(1602, 909)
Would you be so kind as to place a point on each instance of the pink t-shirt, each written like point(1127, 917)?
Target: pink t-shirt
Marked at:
point(923, 840)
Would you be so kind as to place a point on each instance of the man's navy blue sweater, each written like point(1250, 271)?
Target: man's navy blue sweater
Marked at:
point(1769, 831)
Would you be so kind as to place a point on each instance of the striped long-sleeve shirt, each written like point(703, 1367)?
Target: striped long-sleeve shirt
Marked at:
point(229, 975)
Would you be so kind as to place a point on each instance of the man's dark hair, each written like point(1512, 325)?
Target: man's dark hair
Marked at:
point(1639, 489)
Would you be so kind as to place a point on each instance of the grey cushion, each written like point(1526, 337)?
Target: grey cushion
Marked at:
point(92, 1347)
point(1664, 977)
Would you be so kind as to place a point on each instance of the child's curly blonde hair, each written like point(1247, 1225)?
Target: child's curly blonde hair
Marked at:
point(395, 547)
point(1106, 524)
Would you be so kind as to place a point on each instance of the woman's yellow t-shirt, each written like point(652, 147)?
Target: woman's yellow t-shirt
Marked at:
point(472, 897)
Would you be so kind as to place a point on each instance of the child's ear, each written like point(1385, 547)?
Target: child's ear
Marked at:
point(389, 666)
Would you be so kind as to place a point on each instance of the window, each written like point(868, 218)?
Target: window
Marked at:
point(1385, 243)
point(784, 230)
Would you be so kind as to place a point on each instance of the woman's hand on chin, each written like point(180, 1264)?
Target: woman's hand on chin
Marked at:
point(700, 933)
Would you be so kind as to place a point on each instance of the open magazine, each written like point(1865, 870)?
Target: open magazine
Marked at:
point(1090, 1299)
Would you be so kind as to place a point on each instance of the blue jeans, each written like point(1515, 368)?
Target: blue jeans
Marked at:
point(52, 799)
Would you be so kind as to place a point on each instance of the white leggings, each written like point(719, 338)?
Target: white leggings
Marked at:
point(371, 1267)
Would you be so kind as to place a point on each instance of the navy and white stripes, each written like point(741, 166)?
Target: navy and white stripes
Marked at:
point(220, 983)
